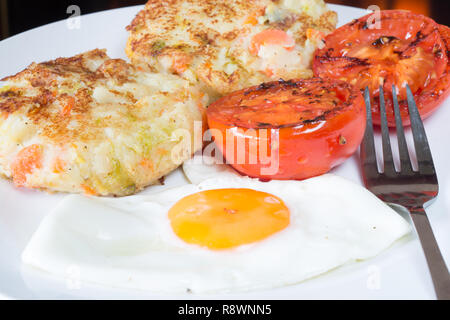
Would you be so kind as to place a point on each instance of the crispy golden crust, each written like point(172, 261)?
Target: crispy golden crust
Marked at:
point(49, 85)
point(103, 126)
point(200, 30)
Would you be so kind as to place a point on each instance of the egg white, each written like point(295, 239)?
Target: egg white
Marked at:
point(202, 167)
point(129, 243)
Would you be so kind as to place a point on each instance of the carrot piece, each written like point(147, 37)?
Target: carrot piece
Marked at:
point(313, 34)
point(269, 72)
point(59, 165)
point(253, 18)
point(147, 163)
point(26, 161)
point(68, 106)
point(88, 190)
point(271, 37)
point(180, 63)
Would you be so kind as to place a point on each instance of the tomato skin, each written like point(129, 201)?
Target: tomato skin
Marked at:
point(407, 48)
point(304, 150)
point(431, 98)
point(428, 100)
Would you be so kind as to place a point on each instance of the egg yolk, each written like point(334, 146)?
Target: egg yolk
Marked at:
point(227, 218)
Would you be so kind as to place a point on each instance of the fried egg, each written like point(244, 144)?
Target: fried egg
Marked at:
point(224, 234)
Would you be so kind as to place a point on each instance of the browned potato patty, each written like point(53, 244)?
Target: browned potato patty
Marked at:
point(229, 45)
point(95, 125)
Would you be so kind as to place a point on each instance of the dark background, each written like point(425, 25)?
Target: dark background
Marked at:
point(20, 15)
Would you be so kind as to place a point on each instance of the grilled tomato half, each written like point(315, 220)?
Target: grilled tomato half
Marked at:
point(390, 48)
point(288, 130)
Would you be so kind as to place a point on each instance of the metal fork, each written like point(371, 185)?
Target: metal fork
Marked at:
point(406, 187)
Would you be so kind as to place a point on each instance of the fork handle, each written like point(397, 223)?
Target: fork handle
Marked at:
point(436, 263)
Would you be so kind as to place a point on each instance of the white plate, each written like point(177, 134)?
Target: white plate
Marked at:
point(398, 273)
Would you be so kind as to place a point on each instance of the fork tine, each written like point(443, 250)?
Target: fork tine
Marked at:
point(387, 150)
point(368, 155)
point(405, 161)
point(423, 152)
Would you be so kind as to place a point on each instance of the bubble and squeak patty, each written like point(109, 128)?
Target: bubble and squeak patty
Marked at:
point(94, 125)
point(229, 45)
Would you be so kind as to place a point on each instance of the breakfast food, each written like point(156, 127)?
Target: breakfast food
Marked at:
point(405, 48)
point(99, 126)
point(229, 45)
point(303, 127)
point(167, 243)
point(95, 125)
